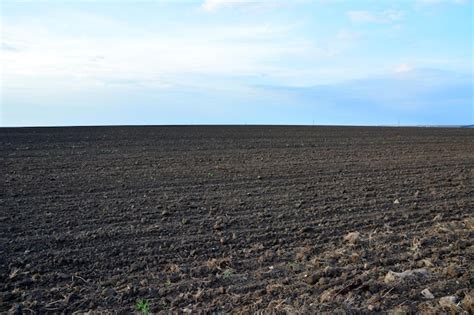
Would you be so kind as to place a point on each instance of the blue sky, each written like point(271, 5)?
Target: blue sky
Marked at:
point(325, 62)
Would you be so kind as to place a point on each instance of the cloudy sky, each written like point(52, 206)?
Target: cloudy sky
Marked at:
point(360, 62)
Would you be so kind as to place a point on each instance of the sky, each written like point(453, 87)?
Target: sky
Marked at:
point(303, 62)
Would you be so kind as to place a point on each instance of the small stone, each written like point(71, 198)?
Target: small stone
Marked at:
point(427, 263)
point(399, 310)
point(448, 301)
point(14, 273)
point(427, 294)
point(396, 202)
point(327, 296)
point(322, 281)
point(352, 237)
point(392, 276)
point(311, 279)
point(354, 257)
point(108, 292)
point(162, 292)
point(468, 303)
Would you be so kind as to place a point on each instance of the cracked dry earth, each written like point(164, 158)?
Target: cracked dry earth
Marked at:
point(236, 219)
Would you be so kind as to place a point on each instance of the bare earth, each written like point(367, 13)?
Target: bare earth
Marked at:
point(242, 218)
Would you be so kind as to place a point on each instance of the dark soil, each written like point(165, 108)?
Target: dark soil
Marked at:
point(244, 219)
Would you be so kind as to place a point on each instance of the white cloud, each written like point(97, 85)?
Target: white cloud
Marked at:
point(429, 1)
point(347, 35)
point(8, 47)
point(145, 58)
point(442, 1)
point(215, 5)
point(403, 68)
point(388, 16)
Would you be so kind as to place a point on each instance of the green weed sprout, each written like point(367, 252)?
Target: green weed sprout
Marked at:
point(143, 306)
point(227, 273)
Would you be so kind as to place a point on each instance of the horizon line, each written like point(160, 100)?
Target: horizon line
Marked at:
point(237, 125)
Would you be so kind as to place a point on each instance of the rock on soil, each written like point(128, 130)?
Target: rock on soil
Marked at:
point(397, 276)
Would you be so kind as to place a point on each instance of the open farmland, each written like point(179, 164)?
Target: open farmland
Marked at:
point(243, 218)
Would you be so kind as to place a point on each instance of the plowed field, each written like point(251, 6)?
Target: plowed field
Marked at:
point(244, 219)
